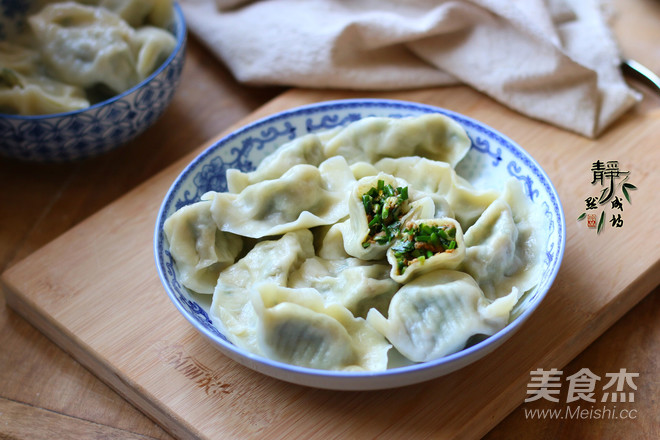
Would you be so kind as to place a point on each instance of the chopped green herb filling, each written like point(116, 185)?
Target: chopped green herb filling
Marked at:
point(421, 242)
point(384, 206)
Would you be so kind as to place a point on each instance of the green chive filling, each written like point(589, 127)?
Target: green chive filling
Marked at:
point(422, 242)
point(384, 206)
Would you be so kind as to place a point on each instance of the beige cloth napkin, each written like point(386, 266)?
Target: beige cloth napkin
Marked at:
point(553, 60)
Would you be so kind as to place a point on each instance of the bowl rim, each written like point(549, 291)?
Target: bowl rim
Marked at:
point(286, 369)
point(181, 34)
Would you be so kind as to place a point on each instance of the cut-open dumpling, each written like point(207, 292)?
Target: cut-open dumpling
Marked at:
point(305, 196)
point(424, 246)
point(435, 315)
point(198, 247)
point(296, 327)
point(377, 205)
point(434, 136)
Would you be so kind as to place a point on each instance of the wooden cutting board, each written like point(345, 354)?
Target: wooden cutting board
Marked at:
point(95, 292)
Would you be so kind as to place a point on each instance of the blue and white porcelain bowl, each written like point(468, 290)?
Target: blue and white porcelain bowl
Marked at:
point(99, 128)
point(492, 159)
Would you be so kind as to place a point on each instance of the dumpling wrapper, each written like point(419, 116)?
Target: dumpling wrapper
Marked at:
point(140, 12)
point(270, 261)
point(459, 199)
point(296, 327)
point(504, 246)
point(355, 231)
point(198, 247)
point(450, 259)
point(302, 150)
point(304, 197)
point(37, 95)
point(435, 315)
point(356, 284)
point(433, 135)
point(86, 46)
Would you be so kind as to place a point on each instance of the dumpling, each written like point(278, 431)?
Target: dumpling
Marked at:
point(268, 261)
point(139, 12)
point(356, 284)
point(24, 90)
point(453, 195)
point(153, 45)
point(503, 249)
point(37, 95)
point(424, 246)
point(303, 150)
point(435, 315)
point(434, 136)
point(296, 327)
point(429, 176)
point(305, 196)
point(198, 247)
point(331, 242)
point(18, 59)
point(377, 205)
point(86, 46)
point(468, 202)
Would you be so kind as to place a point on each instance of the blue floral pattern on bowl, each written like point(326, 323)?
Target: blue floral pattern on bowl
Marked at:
point(99, 128)
point(492, 159)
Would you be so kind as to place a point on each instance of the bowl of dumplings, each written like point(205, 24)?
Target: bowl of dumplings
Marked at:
point(79, 78)
point(359, 244)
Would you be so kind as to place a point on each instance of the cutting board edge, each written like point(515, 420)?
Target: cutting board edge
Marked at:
point(634, 292)
point(610, 314)
point(92, 362)
point(177, 427)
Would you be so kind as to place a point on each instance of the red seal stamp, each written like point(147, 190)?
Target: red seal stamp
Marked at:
point(591, 221)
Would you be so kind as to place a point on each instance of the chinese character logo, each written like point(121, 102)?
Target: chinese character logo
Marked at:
point(611, 179)
point(546, 384)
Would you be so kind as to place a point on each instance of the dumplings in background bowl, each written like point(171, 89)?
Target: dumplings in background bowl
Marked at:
point(77, 79)
point(250, 272)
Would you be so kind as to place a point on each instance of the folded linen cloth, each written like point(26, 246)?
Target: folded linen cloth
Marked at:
point(552, 60)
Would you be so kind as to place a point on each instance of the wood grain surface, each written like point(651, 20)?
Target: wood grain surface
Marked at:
point(39, 382)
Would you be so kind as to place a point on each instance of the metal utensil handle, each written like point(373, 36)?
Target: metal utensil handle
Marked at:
point(635, 70)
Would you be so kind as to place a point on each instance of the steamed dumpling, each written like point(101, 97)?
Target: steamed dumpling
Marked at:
point(377, 205)
point(303, 150)
point(199, 248)
point(270, 261)
point(305, 196)
point(356, 284)
point(434, 136)
point(426, 245)
point(435, 315)
point(296, 327)
point(153, 45)
point(139, 12)
point(25, 90)
point(86, 46)
point(503, 247)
